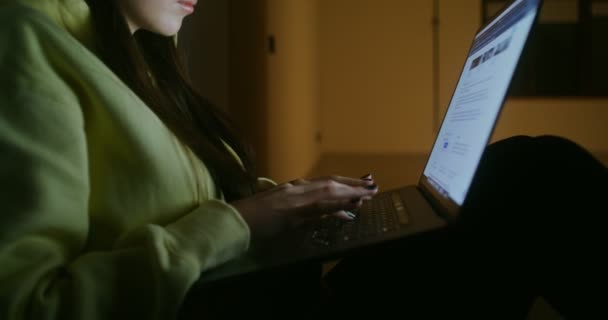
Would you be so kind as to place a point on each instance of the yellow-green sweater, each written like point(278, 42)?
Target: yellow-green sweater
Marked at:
point(103, 213)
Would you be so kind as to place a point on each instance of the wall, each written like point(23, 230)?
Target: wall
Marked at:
point(224, 45)
point(273, 98)
point(204, 38)
point(358, 71)
point(377, 79)
point(292, 88)
point(248, 75)
point(376, 75)
point(582, 120)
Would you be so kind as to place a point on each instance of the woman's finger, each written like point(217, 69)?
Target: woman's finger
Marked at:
point(334, 190)
point(298, 220)
point(290, 184)
point(367, 177)
point(344, 215)
point(354, 182)
point(323, 207)
point(317, 197)
point(299, 182)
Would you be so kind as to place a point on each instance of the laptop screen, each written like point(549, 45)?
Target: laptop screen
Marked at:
point(477, 100)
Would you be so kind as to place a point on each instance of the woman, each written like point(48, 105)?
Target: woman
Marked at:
point(121, 185)
point(117, 178)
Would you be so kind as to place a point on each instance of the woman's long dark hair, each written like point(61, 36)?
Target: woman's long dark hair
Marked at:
point(151, 66)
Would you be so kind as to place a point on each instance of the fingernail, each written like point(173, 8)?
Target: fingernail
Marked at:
point(351, 215)
point(355, 200)
point(372, 187)
point(367, 177)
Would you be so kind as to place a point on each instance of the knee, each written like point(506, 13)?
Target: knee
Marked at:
point(517, 139)
point(543, 144)
point(556, 142)
point(512, 148)
point(512, 143)
point(561, 147)
point(546, 139)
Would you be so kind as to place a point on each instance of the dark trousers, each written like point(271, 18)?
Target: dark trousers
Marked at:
point(533, 225)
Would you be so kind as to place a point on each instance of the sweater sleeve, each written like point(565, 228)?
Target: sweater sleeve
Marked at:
point(264, 184)
point(45, 272)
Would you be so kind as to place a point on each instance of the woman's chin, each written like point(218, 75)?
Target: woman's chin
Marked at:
point(167, 30)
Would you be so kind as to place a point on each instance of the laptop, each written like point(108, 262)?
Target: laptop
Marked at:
point(447, 176)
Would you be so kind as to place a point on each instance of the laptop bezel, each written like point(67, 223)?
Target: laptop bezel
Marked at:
point(445, 206)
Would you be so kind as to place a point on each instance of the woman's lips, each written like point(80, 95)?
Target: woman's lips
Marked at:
point(188, 5)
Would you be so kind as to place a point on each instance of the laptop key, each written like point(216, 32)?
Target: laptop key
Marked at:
point(400, 207)
point(385, 214)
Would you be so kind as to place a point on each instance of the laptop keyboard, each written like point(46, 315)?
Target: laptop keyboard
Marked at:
point(384, 214)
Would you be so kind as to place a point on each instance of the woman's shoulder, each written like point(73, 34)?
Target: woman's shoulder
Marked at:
point(17, 18)
point(25, 28)
point(53, 19)
point(36, 49)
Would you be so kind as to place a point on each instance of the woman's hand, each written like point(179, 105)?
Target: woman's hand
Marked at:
point(270, 212)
